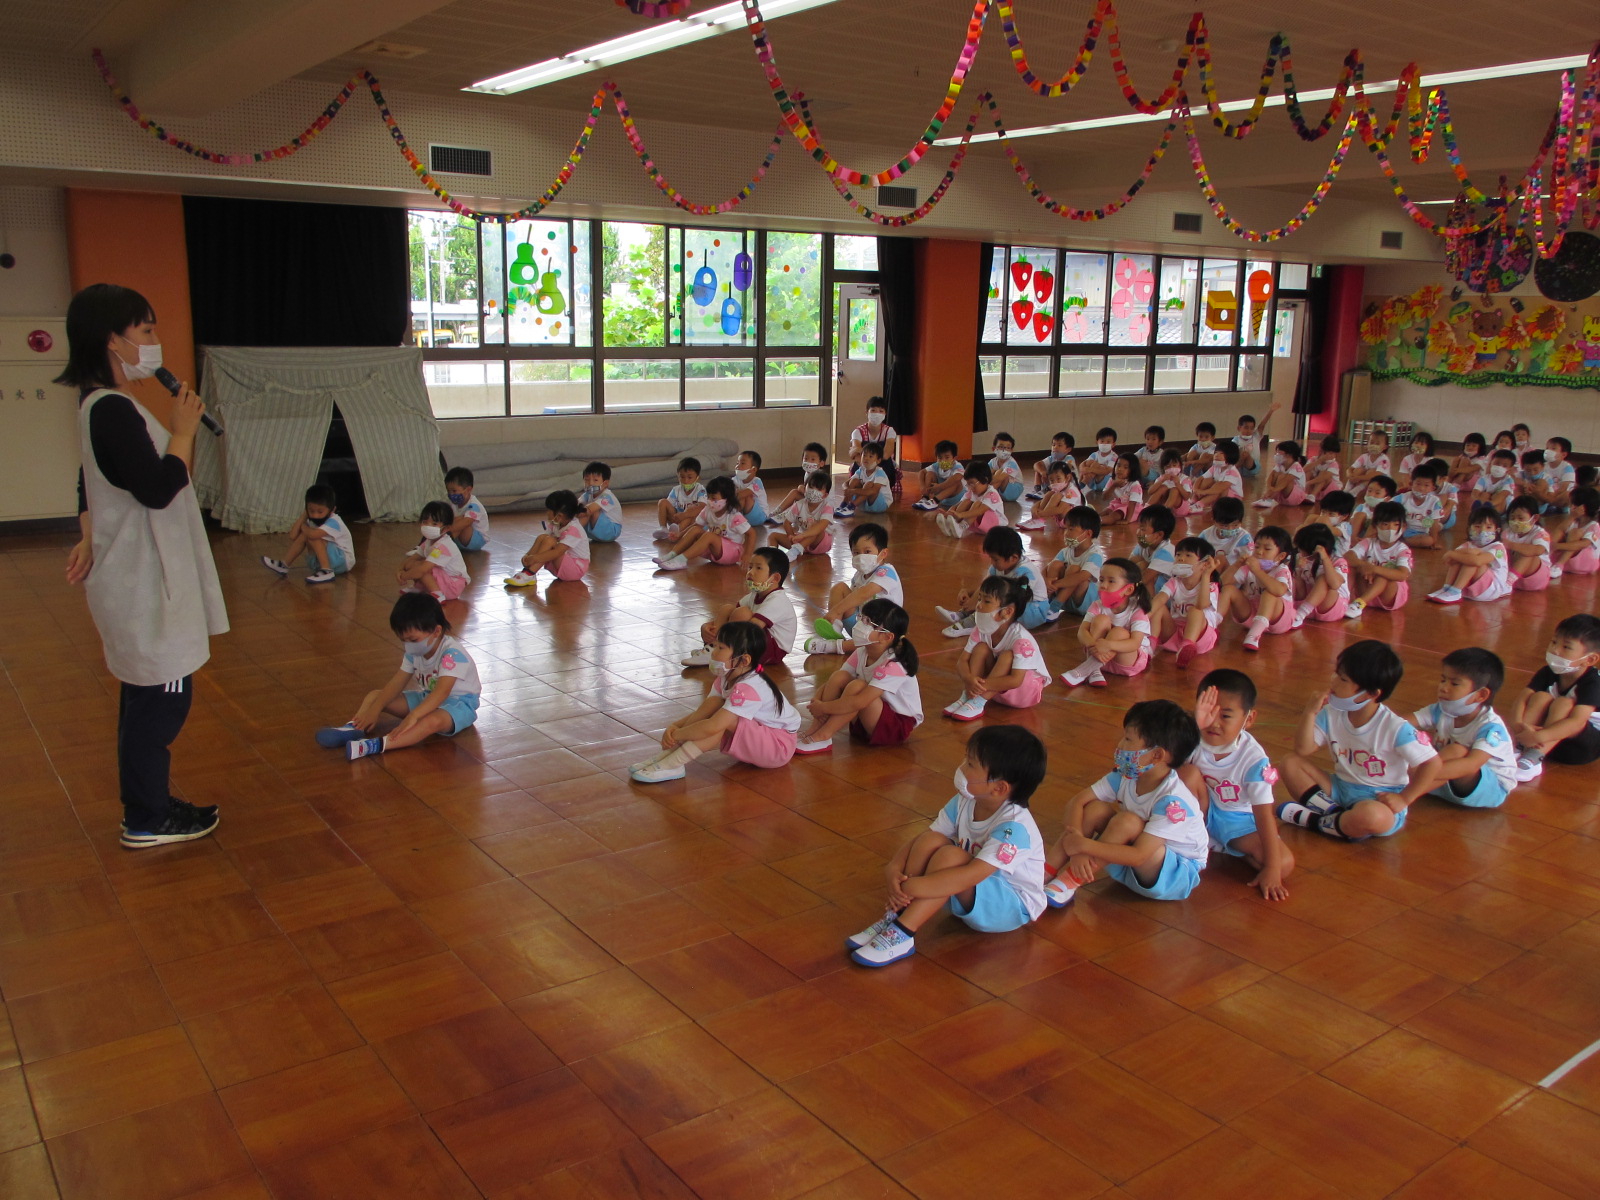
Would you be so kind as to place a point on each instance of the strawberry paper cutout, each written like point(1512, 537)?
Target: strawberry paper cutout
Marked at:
point(1022, 312)
point(1043, 286)
point(1043, 323)
point(1021, 272)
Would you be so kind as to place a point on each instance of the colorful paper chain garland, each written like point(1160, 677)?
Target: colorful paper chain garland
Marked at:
point(1569, 155)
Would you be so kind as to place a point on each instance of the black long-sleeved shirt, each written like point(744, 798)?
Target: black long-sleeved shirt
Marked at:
point(127, 457)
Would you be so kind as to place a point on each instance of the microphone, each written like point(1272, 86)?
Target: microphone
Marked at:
point(170, 381)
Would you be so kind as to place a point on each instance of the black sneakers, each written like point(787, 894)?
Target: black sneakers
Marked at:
point(184, 823)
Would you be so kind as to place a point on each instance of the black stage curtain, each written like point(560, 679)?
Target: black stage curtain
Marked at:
point(271, 273)
point(1308, 397)
point(897, 288)
point(980, 410)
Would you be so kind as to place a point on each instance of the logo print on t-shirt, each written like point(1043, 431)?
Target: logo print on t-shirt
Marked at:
point(1225, 790)
point(1374, 766)
point(1176, 813)
point(1006, 853)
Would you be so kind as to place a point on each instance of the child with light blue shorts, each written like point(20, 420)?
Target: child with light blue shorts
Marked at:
point(471, 526)
point(1141, 821)
point(323, 537)
point(1477, 756)
point(1073, 575)
point(598, 509)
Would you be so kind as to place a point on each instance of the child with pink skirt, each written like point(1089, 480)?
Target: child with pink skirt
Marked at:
point(1322, 472)
point(1061, 496)
point(1321, 577)
point(1382, 563)
point(1259, 594)
point(720, 534)
point(1479, 568)
point(1172, 488)
point(563, 549)
point(1126, 491)
point(434, 564)
point(1001, 661)
point(1576, 540)
point(980, 510)
point(1115, 633)
point(1286, 482)
point(1185, 618)
point(1528, 543)
point(745, 716)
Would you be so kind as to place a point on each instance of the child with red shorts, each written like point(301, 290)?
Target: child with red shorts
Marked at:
point(876, 692)
point(766, 603)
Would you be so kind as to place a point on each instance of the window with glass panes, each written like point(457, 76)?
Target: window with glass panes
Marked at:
point(1097, 323)
point(545, 317)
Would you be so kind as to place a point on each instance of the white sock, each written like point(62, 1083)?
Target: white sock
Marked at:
point(1258, 626)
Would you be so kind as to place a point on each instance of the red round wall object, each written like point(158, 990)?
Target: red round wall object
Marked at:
point(40, 341)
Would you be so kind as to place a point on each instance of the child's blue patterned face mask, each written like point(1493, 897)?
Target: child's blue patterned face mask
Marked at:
point(458, 498)
point(1128, 763)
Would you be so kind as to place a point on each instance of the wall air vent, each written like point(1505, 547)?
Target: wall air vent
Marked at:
point(897, 197)
point(459, 160)
point(1391, 239)
point(1185, 222)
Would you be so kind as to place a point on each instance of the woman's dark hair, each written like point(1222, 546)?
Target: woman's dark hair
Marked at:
point(418, 611)
point(1308, 539)
point(563, 503)
point(748, 639)
point(1011, 593)
point(437, 512)
point(777, 562)
point(722, 489)
point(1012, 755)
point(1291, 450)
point(888, 615)
point(1134, 575)
point(95, 313)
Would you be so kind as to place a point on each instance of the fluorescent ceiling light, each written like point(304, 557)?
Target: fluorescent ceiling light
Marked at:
point(1538, 66)
point(664, 35)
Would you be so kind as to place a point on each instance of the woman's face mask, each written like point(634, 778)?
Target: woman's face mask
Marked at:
point(148, 363)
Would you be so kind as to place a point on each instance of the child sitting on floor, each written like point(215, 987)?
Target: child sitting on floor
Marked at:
point(1221, 479)
point(1322, 472)
point(1061, 495)
point(1095, 473)
point(808, 521)
point(1152, 548)
point(1197, 461)
point(745, 716)
point(1321, 577)
point(1238, 778)
point(322, 535)
point(1381, 564)
point(1257, 593)
point(1002, 546)
point(599, 511)
point(766, 603)
point(1115, 635)
point(1479, 568)
point(1231, 542)
point(750, 492)
point(682, 504)
point(1421, 451)
point(1528, 543)
point(1061, 447)
point(983, 854)
point(1371, 464)
point(1335, 510)
point(812, 460)
point(1477, 758)
point(436, 689)
point(471, 526)
point(1149, 454)
point(1251, 438)
point(1557, 717)
point(943, 480)
point(1424, 507)
point(1072, 577)
point(563, 549)
point(434, 564)
point(1003, 467)
point(1172, 488)
point(876, 430)
point(1380, 489)
point(872, 577)
point(1381, 762)
point(981, 510)
point(1471, 463)
point(1497, 487)
point(1125, 494)
point(1575, 540)
point(875, 692)
point(1286, 482)
point(720, 534)
point(1001, 661)
point(1140, 824)
point(868, 487)
point(1185, 617)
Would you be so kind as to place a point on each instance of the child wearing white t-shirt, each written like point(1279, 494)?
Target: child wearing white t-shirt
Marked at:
point(1095, 471)
point(1002, 546)
point(436, 689)
point(1140, 824)
point(981, 510)
point(745, 716)
point(1115, 633)
point(983, 854)
point(471, 526)
point(943, 480)
point(1477, 756)
point(1171, 488)
point(1060, 496)
point(1152, 548)
point(1002, 661)
point(766, 603)
point(1006, 474)
point(872, 577)
point(682, 503)
point(875, 693)
point(1231, 542)
point(721, 534)
point(807, 520)
point(1373, 463)
point(1185, 616)
point(1479, 568)
point(1238, 780)
point(1381, 762)
point(434, 564)
point(322, 535)
point(1575, 540)
point(599, 510)
point(562, 549)
point(1073, 575)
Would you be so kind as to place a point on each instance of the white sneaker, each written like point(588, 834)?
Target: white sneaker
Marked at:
point(1082, 673)
point(857, 940)
point(1265, 503)
point(672, 562)
point(276, 565)
point(1031, 525)
point(660, 535)
point(822, 645)
point(1528, 769)
point(795, 552)
point(698, 658)
point(926, 504)
point(325, 575)
point(821, 746)
point(957, 630)
point(654, 772)
point(943, 522)
point(1354, 609)
point(521, 579)
point(968, 708)
point(1446, 595)
point(1058, 894)
point(673, 532)
point(890, 946)
point(950, 616)
point(958, 529)
point(1556, 572)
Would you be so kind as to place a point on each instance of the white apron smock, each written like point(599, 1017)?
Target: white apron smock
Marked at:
point(153, 590)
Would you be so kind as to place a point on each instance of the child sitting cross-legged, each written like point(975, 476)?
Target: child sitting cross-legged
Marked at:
point(562, 549)
point(1115, 635)
point(1002, 545)
point(872, 577)
point(807, 521)
point(983, 855)
point(745, 715)
point(1381, 762)
point(943, 480)
point(1186, 616)
point(599, 510)
point(981, 509)
point(1140, 824)
point(322, 535)
point(1557, 717)
point(1477, 758)
point(1238, 778)
point(875, 693)
point(1001, 660)
point(766, 603)
point(1073, 575)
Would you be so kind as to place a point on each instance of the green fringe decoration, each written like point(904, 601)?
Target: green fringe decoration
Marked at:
point(1433, 377)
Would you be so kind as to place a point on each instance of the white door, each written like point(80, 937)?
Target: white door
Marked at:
point(858, 319)
point(1288, 346)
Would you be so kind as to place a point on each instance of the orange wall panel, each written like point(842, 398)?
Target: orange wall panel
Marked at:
point(136, 239)
point(948, 316)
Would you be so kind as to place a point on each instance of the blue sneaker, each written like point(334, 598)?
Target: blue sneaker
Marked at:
point(183, 824)
point(890, 946)
point(334, 736)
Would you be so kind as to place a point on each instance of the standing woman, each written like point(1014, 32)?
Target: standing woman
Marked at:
point(144, 559)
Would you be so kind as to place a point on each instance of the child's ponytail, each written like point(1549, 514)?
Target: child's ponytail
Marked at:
point(1135, 575)
point(891, 618)
point(749, 640)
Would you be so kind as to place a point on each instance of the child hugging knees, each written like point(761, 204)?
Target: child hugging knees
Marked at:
point(562, 549)
point(872, 577)
point(322, 535)
point(983, 854)
point(1557, 717)
point(682, 504)
point(808, 520)
point(1061, 495)
point(1115, 634)
point(766, 603)
point(745, 716)
point(720, 533)
point(436, 689)
point(599, 512)
point(875, 692)
point(1001, 661)
point(981, 509)
point(1002, 546)
point(471, 526)
point(1073, 575)
point(1140, 824)
point(434, 564)
point(1477, 758)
